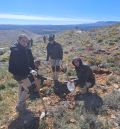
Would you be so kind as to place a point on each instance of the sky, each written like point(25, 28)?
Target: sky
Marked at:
point(58, 12)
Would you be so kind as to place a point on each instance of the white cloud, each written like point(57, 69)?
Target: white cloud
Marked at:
point(57, 20)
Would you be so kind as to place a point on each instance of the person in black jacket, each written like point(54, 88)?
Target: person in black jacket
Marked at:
point(86, 78)
point(55, 55)
point(21, 62)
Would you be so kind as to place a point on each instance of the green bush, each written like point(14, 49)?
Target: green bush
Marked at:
point(43, 124)
point(11, 83)
point(2, 86)
point(94, 61)
point(112, 43)
point(100, 40)
point(112, 100)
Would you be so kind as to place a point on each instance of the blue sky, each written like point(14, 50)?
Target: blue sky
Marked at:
point(58, 11)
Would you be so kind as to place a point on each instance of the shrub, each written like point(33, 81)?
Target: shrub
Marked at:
point(2, 86)
point(100, 40)
point(94, 61)
point(43, 124)
point(112, 100)
point(11, 83)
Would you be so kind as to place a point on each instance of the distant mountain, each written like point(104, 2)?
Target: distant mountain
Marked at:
point(103, 23)
point(97, 25)
point(46, 29)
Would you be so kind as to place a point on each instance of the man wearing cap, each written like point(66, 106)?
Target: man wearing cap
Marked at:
point(21, 62)
point(54, 55)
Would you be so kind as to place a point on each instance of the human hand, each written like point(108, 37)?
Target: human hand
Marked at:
point(33, 72)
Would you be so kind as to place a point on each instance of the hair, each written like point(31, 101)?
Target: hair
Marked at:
point(78, 59)
point(22, 36)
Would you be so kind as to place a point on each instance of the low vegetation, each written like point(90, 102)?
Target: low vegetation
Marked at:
point(98, 48)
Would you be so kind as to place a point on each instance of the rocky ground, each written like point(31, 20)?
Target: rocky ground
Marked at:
point(98, 48)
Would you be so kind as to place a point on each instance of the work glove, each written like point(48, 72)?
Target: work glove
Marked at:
point(33, 72)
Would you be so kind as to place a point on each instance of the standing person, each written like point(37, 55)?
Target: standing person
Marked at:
point(44, 39)
point(21, 62)
point(86, 78)
point(55, 55)
point(30, 44)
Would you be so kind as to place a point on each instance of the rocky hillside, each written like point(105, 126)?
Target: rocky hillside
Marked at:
point(98, 48)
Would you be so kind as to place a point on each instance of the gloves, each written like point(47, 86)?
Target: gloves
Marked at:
point(33, 72)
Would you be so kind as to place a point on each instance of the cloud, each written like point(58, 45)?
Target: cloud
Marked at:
point(46, 18)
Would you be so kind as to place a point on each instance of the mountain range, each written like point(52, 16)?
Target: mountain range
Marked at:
point(46, 29)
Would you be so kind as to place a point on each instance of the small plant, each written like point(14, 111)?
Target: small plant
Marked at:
point(100, 40)
point(112, 79)
point(112, 100)
point(11, 83)
point(112, 43)
point(4, 58)
point(1, 98)
point(2, 86)
point(94, 61)
point(43, 124)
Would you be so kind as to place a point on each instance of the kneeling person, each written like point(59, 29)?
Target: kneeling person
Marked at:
point(86, 78)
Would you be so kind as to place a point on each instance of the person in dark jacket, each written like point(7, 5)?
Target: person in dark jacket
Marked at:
point(44, 39)
point(55, 55)
point(86, 78)
point(21, 62)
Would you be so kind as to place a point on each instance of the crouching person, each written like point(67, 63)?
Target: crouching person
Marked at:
point(20, 63)
point(86, 78)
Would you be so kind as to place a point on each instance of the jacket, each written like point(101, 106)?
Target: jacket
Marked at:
point(54, 51)
point(85, 74)
point(21, 60)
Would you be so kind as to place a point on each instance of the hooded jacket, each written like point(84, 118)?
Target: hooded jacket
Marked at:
point(21, 60)
point(84, 74)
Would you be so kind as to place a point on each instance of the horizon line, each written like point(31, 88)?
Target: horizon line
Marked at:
point(20, 19)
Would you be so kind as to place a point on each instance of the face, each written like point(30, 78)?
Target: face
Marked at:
point(76, 62)
point(24, 41)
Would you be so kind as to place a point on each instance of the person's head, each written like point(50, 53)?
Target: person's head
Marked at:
point(77, 62)
point(23, 40)
point(51, 38)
